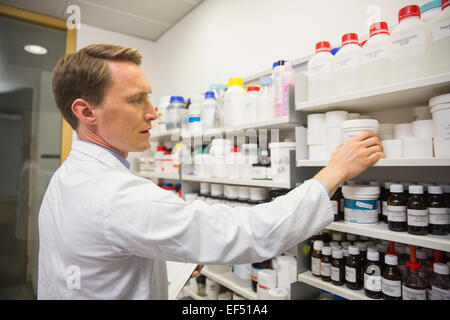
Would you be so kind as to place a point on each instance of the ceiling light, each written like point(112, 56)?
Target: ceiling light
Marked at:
point(34, 49)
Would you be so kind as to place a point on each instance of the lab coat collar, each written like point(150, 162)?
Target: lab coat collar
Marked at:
point(99, 153)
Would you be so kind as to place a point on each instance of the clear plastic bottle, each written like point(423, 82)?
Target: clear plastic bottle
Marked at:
point(375, 57)
point(277, 75)
point(175, 112)
point(234, 100)
point(439, 287)
point(219, 93)
point(210, 114)
point(441, 39)
point(265, 101)
point(347, 66)
point(412, 47)
point(288, 81)
point(250, 110)
point(320, 72)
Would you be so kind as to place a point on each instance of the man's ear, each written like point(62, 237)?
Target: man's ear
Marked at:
point(84, 111)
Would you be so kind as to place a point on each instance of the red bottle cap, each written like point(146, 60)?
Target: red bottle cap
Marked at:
point(161, 148)
point(235, 149)
point(379, 28)
point(253, 89)
point(409, 11)
point(349, 38)
point(445, 4)
point(413, 265)
point(363, 43)
point(323, 46)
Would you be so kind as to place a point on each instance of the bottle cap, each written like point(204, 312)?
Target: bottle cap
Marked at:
point(413, 265)
point(391, 260)
point(372, 248)
point(353, 250)
point(210, 95)
point(335, 50)
point(349, 38)
point(397, 188)
point(326, 251)
point(379, 28)
point(345, 252)
point(445, 4)
point(235, 82)
point(440, 268)
point(194, 119)
point(334, 244)
point(253, 88)
point(318, 245)
point(430, 5)
point(435, 190)
point(415, 189)
point(363, 43)
point(161, 148)
point(278, 63)
point(266, 81)
point(337, 253)
point(323, 46)
point(408, 11)
point(373, 255)
point(176, 99)
point(362, 246)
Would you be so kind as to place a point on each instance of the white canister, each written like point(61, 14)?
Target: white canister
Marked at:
point(392, 148)
point(230, 192)
point(301, 152)
point(334, 119)
point(403, 130)
point(352, 128)
point(278, 294)
point(205, 189)
point(286, 272)
point(361, 204)
point(441, 118)
point(417, 148)
point(300, 136)
point(423, 129)
point(316, 121)
point(441, 147)
point(212, 289)
point(280, 160)
point(267, 279)
point(243, 274)
point(334, 135)
point(386, 131)
point(216, 190)
point(317, 152)
point(243, 193)
point(316, 137)
point(258, 194)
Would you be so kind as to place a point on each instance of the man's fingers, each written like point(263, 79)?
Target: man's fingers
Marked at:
point(374, 157)
point(363, 136)
point(373, 149)
point(372, 141)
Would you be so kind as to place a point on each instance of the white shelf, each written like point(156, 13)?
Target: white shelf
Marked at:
point(429, 162)
point(381, 231)
point(399, 95)
point(240, 182)
point(192, 294)
point(153, 175)
point(228, 280)
point(342, 291)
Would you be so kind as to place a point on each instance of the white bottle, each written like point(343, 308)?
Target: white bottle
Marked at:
point(210, 114)
point(347, 66)
point(277, 74)
point(375, 57)
point(250, 112)
point(265, 101)
point(320, 72)
point(234, 100)
point(441, 39)
point(429, 11)
point(411, 52)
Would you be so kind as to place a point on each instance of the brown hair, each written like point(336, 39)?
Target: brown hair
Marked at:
point(85, 74)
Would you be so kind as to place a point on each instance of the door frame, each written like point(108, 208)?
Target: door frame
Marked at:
point(71, 38)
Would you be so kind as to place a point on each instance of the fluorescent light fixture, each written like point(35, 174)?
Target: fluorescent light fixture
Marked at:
point(34, 49)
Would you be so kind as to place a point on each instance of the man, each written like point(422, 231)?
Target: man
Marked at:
point(114, 230)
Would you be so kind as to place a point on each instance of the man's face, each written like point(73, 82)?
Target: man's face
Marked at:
point(125, 114)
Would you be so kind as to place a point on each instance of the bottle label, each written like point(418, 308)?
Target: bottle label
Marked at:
point(385, 209)
point(318, 69)
point(392, 288)
point(413, 294)
point(334, 206)
point(438, 294)
point(441, 30)
point(347, 62)
point(417, 218)
point(350, 274)
point(361, 211)
point(396, 213)
point(372, 283)
point(335, 274)
point(438, 216)
point(325, 269)
point(315, 266)
point(375, 54)
point(410, 39)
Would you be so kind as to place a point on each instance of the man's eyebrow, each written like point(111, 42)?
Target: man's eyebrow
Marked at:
point(140, 94)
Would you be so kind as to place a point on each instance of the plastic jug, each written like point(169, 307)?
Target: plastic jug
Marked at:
point(175, 112)
point(277, 75)
point(441, 39)
point(320, 72)
point(234, 100)
point(347, 67)
point(265, 101)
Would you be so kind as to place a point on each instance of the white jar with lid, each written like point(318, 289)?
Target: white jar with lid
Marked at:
point(320, 72)
point(352, 128)
point(347, 66)
point(243, 193)
point(361, 204)
point(216, 190)
point(280, 160)
point(440, 111)
point(258, 194)
point(231, 192)
point(441, 39)
point(403, 130)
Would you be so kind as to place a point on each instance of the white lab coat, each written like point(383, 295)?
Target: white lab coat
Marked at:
point(105, 233)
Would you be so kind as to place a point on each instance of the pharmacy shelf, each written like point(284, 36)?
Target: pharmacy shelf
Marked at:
point(239, 182)
point(429, 162)
point(153, 175)
point(343, 291)
point(192, 294)
point(381, 231)
point(228, 280)
point(399, 95)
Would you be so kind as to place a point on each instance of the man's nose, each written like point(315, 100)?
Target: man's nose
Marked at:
point(151, 113)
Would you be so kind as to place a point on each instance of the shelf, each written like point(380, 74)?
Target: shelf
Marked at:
point(192, 294)
point(342, 291)
point(399, 95)
point(240, 182)
point(429, 162)
point(228, 280)
point(381, 231)
point(153, 175)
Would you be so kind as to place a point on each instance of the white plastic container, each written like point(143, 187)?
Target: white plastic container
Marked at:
point(430, 11)
point(334, 119)
point(205, 189)
point(403, 130)
point(417, 148)
point(163, 104)
point(441, 39)
point(320, 72)
point(258, 194)
point(216, 190)
point(234, 100)
point(316, 137)
point(195, 126)
point(347, 67)
point(243, 193)
point(232, 161)
point(440, 111)
point(265, 101)
point(423, 129)
point(421, 113)
point(361, 204)
point(210, 112)
point(301, 147)
point(231, 192)
point(375, 57)
point(352, 128)
point(250, 111)
point(316, 122)
point(386, 131)
point(317, 152)
point(175, 112)
point(441, 147)
point(411, 55)
point(392, 148)
point(280, 160)
point(267, 279)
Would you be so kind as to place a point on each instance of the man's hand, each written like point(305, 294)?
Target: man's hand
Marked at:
point(197, 270)
point(351, 159)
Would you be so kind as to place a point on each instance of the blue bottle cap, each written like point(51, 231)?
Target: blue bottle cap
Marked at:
point(176, 99)
point(210, 95)
point(335, 50)
point(266, 81)
point(430, 5)
point(194, 119)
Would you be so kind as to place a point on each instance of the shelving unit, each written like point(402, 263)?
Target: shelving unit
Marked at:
point(429, 162)
point(192, 294)
point(239, 182)
point(153, 175)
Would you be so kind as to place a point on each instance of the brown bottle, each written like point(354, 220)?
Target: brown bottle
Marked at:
point(437, 211)
point(316, 257)
point(372, 275)
point(353, 270)
point(337, 268)
point(337, 201)
point(325, 264)
point(391, 281)
point(396, 208)
point(417, 211)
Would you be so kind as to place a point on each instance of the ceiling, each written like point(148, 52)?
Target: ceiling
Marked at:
point(148, 19)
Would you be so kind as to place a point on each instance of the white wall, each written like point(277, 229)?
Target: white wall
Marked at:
point(224, 38)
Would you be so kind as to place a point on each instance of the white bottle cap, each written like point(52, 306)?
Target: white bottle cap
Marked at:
point(345, 252)
point(421, 254)
point(435, 190)
point(440, 268)
point(326, 251)
point(362, 246)
point(373, 255)
point(336, 236)
point(337, 254)
point(416, 189)
point(353, 250)
point(398, 188)
point(318, 245)
point(391, 259)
